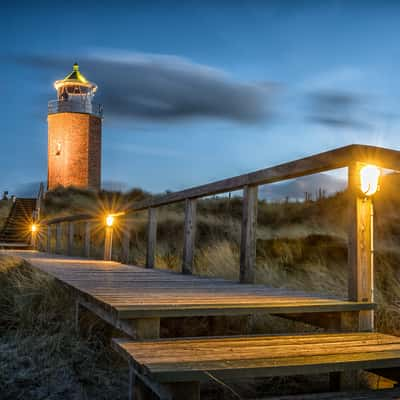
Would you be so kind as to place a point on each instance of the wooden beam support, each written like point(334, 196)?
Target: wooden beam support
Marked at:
point(151, 237)
point(360, 247)
point(70, 243)
point(146, 328)
point(248, 238)
point(126, 241)
point(48, 243)
point(142, 387)
point(86, 245)
point(108, 243)
point(59, 238)
point(34, 240)
point(109, 316)
point(189, 236)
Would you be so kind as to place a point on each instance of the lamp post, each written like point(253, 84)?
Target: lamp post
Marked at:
point(34, 231)
point(108, 237)
point(363, 184)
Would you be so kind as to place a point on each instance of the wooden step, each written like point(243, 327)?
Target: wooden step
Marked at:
point(193, 359)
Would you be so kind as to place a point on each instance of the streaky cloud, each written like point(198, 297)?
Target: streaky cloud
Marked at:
point(164, 87)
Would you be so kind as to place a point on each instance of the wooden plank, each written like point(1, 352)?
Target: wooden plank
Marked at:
point(360, 246)
point(189, 236)
point(233, 309)
point(288, 341)
point(151, 237)
point(87, 237)
point(337, 158)
point(187, 359)
point(243, 350)
point(126, 241)
point(70, 243)
point(248, 235)
point(270, 367)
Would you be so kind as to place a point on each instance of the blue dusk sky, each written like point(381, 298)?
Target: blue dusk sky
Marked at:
point(195, 91)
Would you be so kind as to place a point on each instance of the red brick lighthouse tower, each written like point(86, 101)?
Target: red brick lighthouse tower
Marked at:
point(74, 134)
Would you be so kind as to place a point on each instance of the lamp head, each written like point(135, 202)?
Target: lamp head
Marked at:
point(110, 220)
point(369, 179)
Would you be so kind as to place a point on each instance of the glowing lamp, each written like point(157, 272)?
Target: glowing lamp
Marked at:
point(34, 228)
point(369, 179)
point(109, 220)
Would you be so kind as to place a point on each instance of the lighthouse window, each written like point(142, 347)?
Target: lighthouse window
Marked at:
point(58, 149)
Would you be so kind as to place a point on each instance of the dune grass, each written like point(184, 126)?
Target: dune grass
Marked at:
point(41, 355)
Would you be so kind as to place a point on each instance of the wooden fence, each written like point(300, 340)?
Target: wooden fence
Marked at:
point(360, 239)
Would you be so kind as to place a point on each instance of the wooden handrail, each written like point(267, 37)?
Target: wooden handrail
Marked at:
point(326, 161)
point(329, 160)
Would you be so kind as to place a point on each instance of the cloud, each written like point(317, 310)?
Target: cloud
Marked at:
point(339, 109)
point(164, 87)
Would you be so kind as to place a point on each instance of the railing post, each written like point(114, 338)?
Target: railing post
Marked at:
point(58, 238)
point(70, 244)
point(151, 237)
point(87, 239)
point(248, 234)
point(108, 243)
point(360, 247)
point(34, 239)
point(126, 240)
point(189, 236)
point(48, 238)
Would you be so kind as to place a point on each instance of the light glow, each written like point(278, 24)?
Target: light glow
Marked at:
point(369, 177)
point(34, 228)
point(110, 220)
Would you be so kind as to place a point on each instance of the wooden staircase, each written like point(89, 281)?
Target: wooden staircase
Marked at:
point(16, 230)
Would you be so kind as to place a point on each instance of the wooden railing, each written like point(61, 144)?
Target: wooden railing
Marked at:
point(360, 243)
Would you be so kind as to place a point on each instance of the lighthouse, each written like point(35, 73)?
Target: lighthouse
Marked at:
point(74, 134)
